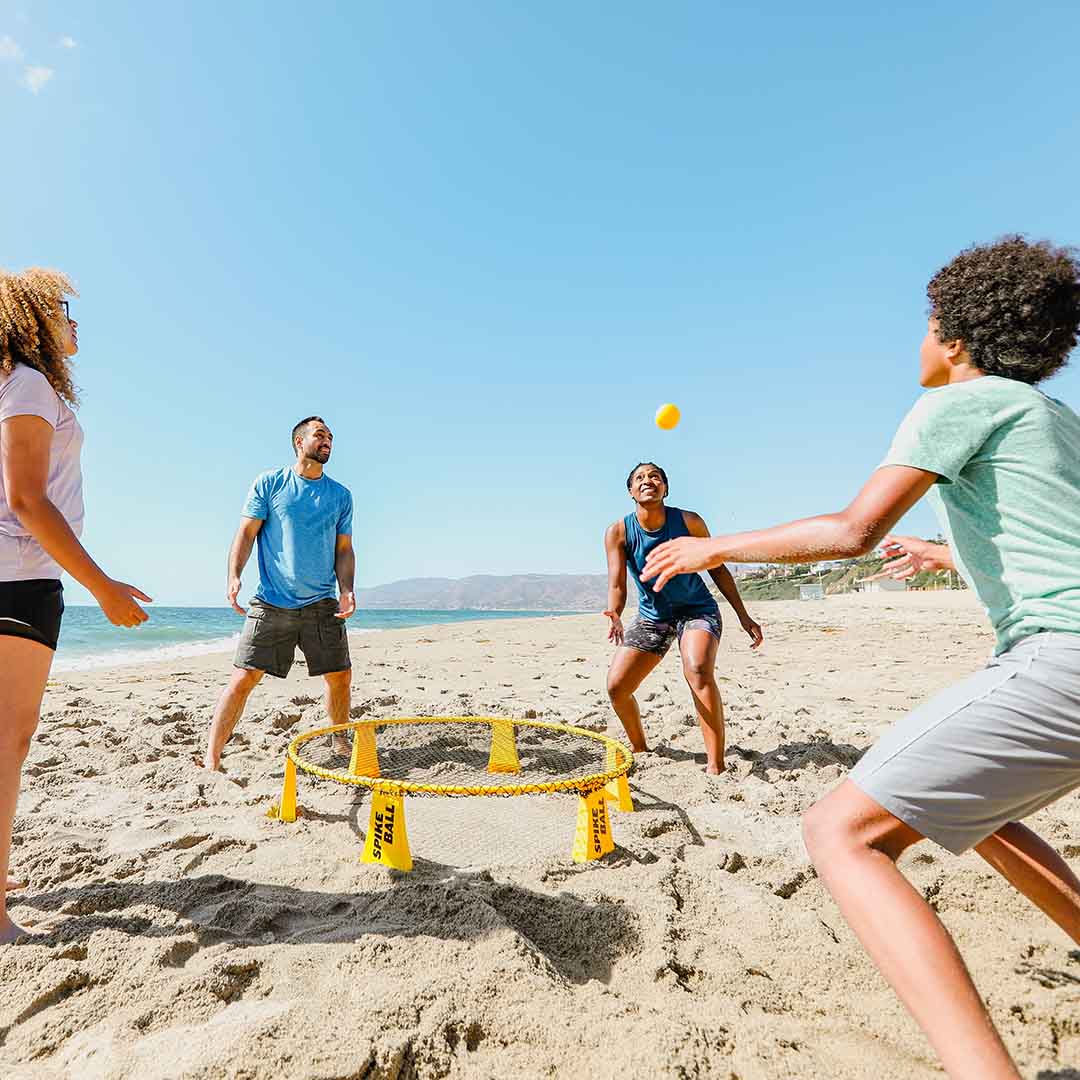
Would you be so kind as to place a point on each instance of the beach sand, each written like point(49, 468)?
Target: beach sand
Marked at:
point(188, 935)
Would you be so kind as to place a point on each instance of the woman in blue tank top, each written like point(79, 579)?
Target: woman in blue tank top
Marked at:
point(685, 610)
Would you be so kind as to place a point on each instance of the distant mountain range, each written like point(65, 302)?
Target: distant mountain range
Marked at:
point(489, 592)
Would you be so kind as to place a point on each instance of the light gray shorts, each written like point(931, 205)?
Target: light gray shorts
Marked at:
point(994, 748)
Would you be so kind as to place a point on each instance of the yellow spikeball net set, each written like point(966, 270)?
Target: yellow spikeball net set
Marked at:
point(463, 756)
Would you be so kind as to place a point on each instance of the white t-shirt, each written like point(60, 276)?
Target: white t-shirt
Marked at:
point(26, 392)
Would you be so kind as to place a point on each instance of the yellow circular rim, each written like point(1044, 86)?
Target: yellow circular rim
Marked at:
point(623, 757)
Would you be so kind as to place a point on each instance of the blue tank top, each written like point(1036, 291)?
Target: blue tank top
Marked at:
point(685, 595)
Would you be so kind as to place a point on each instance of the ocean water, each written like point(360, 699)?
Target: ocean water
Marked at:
point(88, 640)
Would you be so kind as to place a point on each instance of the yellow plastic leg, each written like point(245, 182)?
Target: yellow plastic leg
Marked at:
point(592, 839)
point(286, 809)
point(504, 755)
point(618, 790)
point(387, 842)
point(365, 756)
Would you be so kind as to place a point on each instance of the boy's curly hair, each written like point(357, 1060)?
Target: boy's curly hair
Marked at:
point(30, 315)
point(1014, 304)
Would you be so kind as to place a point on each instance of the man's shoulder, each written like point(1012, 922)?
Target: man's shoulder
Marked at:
point(270, 481)
point(272, 478)
point(337, 487)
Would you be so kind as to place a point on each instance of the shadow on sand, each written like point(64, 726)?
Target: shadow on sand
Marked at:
point(581, 939)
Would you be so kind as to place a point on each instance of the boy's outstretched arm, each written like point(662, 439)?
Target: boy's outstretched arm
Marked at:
point(885, 498)
point(723, 580)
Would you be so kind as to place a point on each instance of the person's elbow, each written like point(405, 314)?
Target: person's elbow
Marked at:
point(858, 535)
point(26, 503)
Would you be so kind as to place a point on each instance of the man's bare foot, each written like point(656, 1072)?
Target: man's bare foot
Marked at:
point(340, 744)
point(204, 761)
point(13, 885)
point(9, 931)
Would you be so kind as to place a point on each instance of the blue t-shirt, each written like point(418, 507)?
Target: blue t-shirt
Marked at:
point(685, 595)
point(302, 520)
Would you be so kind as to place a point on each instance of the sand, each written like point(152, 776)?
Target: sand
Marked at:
point(188, 935)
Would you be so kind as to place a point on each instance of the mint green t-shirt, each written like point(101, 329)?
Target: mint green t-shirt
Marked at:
point(1008, 497)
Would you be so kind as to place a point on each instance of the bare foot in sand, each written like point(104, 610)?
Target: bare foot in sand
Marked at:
point(13, 885)
point(340, 744)
point(203, 761)
point(9, 931)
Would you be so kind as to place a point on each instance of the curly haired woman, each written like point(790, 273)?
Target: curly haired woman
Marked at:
point(41, 515)
point(1001, 461)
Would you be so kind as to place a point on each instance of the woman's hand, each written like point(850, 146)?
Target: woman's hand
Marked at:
point(753, 629)
point(118, 601)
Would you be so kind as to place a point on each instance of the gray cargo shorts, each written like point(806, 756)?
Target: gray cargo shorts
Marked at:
point(990, 750)
point(270, 636)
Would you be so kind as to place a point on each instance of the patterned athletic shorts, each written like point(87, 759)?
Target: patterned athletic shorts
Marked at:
point(656, 637)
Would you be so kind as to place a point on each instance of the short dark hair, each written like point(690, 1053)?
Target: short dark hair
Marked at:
point(663, 475)
point(298, 429)
point(1015, 304)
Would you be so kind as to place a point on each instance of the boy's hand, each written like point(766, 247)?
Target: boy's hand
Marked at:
point(615, 630)
point(909, 556)
point(687, 555)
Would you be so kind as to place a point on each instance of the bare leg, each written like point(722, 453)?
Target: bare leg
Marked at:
point(698, 651)
point(629, 667)
point(854, 844)
point(338, 696)
point(230, 708)
point(25, 665)
point(1034, 868)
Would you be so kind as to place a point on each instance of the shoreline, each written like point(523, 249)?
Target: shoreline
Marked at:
point(184, 650)
point(151, 656)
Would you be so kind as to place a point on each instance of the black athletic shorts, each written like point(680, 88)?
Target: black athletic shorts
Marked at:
point(32, 610)
point(270, 636)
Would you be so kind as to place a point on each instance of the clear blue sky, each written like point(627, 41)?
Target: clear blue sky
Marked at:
point(486, 241)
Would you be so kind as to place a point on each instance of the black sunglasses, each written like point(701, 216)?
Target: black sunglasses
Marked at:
point(66, 308)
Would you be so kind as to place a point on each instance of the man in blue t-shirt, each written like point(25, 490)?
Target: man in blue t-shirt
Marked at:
point(302, 521)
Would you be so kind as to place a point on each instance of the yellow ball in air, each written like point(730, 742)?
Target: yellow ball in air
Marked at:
point(667, 416)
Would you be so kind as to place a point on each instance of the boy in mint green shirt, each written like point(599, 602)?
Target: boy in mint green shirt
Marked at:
point(1008, 497)
point(1001, 462)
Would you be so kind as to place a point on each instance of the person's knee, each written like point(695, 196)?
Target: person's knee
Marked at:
point(698, 673)
point(15, 738)
point(617, 689)
point(832, 828)
point(827, 831)
point(817, 830)
point(245, 679)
